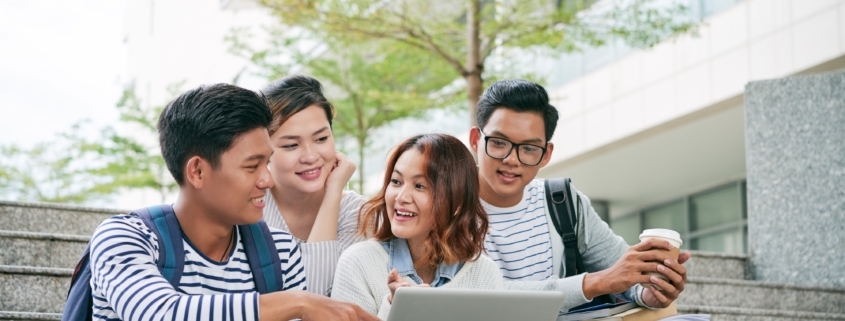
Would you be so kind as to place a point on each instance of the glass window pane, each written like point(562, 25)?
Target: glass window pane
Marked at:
point(726, 242)
point(715, 208)
point(602, 209)
point(710, 7)
point(565, 68)
point(595, 58)
point(628, 227)
point(670, 216)
point(744, 203)
point(745, 239)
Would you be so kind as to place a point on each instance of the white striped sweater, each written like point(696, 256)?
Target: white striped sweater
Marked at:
point(321, 257)
point(127, 284)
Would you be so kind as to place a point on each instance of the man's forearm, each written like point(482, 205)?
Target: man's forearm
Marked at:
point(593, 285)
point(571, 287)
point(283, 305)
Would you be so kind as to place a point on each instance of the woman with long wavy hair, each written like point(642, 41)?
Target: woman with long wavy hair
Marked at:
point(428, 228)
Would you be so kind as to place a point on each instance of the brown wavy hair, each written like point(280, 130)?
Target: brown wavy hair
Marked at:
point(460, 222)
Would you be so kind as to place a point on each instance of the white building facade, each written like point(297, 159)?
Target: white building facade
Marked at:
point(656, 137)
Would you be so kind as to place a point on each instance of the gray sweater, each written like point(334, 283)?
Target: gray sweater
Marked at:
point(600, 248)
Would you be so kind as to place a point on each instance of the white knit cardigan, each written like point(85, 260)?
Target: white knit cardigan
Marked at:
point(361, 277)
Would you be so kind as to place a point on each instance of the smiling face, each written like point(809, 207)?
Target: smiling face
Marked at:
point(304, 151)
point(408, 198)
point(236, 188)
point(502, 180)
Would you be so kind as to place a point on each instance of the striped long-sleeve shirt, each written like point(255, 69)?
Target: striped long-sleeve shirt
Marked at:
point(518, 236)
point(321, 257)
point(127, 284)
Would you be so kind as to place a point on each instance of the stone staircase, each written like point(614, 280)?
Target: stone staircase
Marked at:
point(40, 244)
point(719, 285)
point(39, 247)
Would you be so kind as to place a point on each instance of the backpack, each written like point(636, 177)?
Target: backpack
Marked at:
point(258, 244)
point(564, 218)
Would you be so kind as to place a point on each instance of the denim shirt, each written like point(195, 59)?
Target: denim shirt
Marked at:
point(400, 259)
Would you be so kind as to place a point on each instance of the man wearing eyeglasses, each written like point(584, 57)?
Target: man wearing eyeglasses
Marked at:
point(512, 142)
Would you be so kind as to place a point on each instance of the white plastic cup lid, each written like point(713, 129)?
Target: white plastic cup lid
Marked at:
point(663, 233)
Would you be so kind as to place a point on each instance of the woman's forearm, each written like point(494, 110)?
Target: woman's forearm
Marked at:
point(325, 225)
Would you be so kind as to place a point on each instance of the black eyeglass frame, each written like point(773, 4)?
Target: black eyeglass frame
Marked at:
point(513, 145)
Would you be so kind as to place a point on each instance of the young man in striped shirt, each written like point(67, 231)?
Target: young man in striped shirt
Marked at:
point(214, 141)
point(512, 142)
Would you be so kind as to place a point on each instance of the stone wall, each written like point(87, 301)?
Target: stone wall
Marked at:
point(795, 157)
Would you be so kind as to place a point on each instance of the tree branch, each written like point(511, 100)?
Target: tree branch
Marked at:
point(425, 41)
point(490, 45)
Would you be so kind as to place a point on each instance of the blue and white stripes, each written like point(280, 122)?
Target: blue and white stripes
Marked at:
point(518, 237)
point(127, 285)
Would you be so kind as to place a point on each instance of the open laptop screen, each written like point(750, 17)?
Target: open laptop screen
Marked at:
point(418, 304)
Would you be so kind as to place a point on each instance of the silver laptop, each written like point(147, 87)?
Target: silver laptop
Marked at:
point(419, 304)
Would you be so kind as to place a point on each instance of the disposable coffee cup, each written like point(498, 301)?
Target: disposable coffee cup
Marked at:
point(670, 236)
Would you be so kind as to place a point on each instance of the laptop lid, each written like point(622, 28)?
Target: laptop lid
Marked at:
point(423, 304)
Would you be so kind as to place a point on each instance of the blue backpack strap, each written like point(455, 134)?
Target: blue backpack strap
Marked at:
point(263, 257)
point(80, 303)
point(171, 258)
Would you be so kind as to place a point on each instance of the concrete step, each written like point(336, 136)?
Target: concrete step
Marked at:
point(29, 316)
point(745, 314)
point(733, 293)
point(33, 289)
point(52, 218)
point(717, 265)
point(34, 293)
point(41, 249)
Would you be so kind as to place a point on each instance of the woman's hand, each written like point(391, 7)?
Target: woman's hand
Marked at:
point(394, 282)
point(325, 225)
point(341, 172)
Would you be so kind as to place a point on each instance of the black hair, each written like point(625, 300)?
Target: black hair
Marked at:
point(205, 122)
point(520, 96)
point(292, 94)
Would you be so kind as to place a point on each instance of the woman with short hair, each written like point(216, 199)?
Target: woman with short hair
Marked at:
point(308, 198)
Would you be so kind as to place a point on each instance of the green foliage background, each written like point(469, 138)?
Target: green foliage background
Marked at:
point(77, 169)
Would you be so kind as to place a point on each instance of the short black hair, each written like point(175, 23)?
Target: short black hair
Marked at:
point(205, 122)
point(520, 96)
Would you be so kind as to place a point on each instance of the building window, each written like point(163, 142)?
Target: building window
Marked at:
point(669, 216)
point(628, 227)
point(712, 220)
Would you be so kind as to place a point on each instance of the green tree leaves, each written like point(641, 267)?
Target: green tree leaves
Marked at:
point(77, 169)
point(464, 34)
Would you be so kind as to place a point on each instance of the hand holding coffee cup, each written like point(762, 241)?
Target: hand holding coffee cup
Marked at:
point(674, 238)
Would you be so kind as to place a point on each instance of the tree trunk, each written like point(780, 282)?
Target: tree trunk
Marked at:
point(474, 66)
point(361, 142)
point(361, 137)
point(473, 93)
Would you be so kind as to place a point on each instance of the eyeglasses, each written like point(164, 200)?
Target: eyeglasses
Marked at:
point(500, 148)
